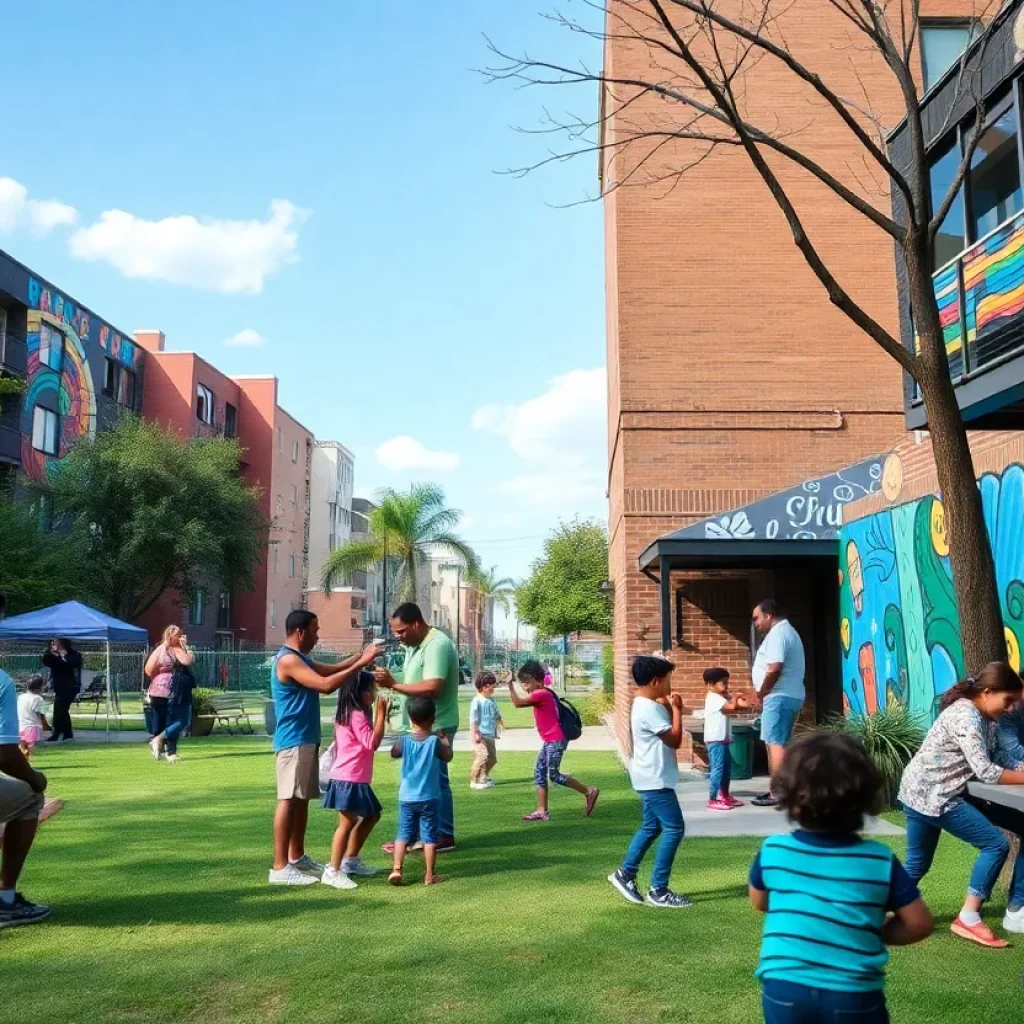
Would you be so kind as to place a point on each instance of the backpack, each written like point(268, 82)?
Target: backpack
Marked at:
point(568, 718)
point(183, 682)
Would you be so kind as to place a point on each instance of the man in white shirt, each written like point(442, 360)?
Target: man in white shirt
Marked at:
point(778, 678)
point(21, 800)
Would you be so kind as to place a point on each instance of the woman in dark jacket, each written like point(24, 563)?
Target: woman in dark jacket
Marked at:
point(65, 665)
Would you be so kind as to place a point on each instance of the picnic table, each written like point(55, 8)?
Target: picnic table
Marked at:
point(1006, 796)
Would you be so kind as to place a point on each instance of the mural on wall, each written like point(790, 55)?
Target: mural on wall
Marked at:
point(899, 627)
point(59, 377)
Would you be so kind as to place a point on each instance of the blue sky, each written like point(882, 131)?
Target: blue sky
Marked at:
point(402, 289)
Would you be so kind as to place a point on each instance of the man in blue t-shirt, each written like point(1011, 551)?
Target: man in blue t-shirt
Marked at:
point(21, 800)
point(296, 682)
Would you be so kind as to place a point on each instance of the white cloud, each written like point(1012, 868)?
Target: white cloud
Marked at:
point(246, 338)
point(228, 256)
point(39, 215)
point(403, 453)
point(560, 436)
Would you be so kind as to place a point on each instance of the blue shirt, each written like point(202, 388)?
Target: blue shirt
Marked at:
point(421, 769)
point(828, 897)
point(1010, 736)
point(9, 732)
point(483, 713)
point(297, 708)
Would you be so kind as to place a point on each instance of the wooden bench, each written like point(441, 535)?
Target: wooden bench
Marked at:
point(229, 709)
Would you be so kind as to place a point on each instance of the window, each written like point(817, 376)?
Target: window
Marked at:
point(110, 375)
point(279, 505)
point(280, 441)
point(295, 451)
point(230, 420)
point(295, 495)
point(224, 610)
point(44, 430)
point(942, 43)
point(3, 334)
point(275, 560)
point(291, 566)
point(197, 607)
point(204, 404)
point(949, 242)
point(994, 185)
point(51, 347)
point(119, 383)
point(273, 615)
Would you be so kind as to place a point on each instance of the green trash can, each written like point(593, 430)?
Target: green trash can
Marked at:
point(741, 751)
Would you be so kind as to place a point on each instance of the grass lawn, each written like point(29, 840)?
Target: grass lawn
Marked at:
point(161, 912)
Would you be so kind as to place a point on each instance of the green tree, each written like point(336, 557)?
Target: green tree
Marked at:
point(491, 587)
point(37, 568)
point(404, 527)
point(156, 512)
point(563, 593)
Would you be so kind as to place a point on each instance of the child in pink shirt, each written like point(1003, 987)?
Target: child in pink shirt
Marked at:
point(356, 738)
point(549, 760)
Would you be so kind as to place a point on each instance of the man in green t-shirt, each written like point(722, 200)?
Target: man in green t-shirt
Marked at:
point(431, 669)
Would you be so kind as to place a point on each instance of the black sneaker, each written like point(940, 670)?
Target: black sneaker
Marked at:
point(667, 898)
point(626, 887)
point(764, 800)
point(21, 912)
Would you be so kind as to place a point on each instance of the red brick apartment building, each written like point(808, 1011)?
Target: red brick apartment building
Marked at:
point(730, 375)
point(185, 392)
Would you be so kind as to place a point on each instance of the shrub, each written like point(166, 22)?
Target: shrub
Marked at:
point(891, 737)
point(202, 701)
point(608, 669)
point(594, 707)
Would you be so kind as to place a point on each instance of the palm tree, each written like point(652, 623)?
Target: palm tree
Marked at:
point(404, 528)
point(499, 591)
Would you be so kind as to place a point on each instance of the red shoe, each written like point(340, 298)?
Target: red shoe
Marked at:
point(719, 805)
point(979, 933)
point(732, 801)
point(592, 794)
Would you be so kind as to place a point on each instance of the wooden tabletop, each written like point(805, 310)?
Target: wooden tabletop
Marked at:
point(1006, 796)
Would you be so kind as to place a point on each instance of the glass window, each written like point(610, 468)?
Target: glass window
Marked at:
point(275, 561)
point(295, 451)
point(110, 378)
point(273, 615)
point(126, 388)
point(230, 420)
point(995, 176)
point(295, 494)
point(44, 430)
point(291, 566)
point(949, 241)
point(224, 610)
point(942, 43)
point(280, 441)
point(204, 404)
point(197, 608)
point(51, 347)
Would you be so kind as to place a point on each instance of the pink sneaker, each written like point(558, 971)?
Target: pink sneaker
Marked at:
point(732, 801)
point(537, 816)
point(719, 805)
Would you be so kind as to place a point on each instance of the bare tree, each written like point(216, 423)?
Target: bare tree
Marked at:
point(702, 61)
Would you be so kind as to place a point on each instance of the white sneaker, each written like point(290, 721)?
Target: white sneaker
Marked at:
point(154, 746)
point(489, 784)
point(477, 785)
point(1014, 921)
point(173, 759)
point(290, 875)
point(355, 866)
point(337, 879)
point(308, 866)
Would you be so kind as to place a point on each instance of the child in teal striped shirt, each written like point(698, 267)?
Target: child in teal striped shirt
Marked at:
point(827, 893)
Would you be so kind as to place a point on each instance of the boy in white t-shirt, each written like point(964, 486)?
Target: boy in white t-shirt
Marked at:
point(656, 724)
point(31, 720)
point(719, 706)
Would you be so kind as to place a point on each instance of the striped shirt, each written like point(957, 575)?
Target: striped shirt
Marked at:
point(828, 897)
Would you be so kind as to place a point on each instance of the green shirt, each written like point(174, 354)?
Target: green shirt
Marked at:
point(436, 658)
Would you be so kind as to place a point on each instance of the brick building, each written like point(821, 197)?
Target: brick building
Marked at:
point(731, 377)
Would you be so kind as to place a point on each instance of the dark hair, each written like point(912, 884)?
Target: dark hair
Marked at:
point(647, 668)
point(36, 685)
point(771, 607)
point(486, 679)
point(715, 675)
point(65, 643)
point(350, 696)
point(996, 675)
point(827, 783)
point(531, 669)
point(409, 614)
point(422, 711)
point(299, 619)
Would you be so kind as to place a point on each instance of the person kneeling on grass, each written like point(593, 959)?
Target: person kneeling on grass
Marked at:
point(549, 760)
point(827, 893)
point(422, 752)
point(654, 774)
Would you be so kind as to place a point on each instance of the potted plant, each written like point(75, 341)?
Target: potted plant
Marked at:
point(204, 714)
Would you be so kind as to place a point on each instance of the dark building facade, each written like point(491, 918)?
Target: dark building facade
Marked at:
point(79, 372)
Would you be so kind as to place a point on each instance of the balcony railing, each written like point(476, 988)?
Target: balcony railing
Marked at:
point(981, 300)
point(13, 353)
point(10, 445)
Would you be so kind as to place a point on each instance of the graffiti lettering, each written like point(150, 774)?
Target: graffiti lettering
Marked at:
point(803, 511)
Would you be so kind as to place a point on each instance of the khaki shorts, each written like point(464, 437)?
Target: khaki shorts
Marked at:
point(18, 800)
point(298, 773)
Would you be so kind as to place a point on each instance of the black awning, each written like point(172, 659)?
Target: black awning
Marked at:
point(691, 553)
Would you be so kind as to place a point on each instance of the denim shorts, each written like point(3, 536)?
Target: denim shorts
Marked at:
point(778, 716)
point(418, 821)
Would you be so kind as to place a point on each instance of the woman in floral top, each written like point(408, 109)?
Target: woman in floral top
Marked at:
point(959, 747)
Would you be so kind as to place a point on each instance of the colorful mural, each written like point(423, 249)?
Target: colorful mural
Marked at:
point(58, 373)
point(899, 627)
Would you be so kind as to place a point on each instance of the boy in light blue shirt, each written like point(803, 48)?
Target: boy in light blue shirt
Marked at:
point(422, 753)
point(484, 719)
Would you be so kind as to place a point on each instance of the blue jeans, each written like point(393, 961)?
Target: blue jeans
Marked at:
point(720, 764)
point(973, 826)
point(782, 1002)
point(663, 817)
point(418, 820)
point(778, 716)
point(446, 806)
point(179, 718)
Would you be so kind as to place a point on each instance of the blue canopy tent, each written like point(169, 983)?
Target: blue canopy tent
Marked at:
point(76, 621)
